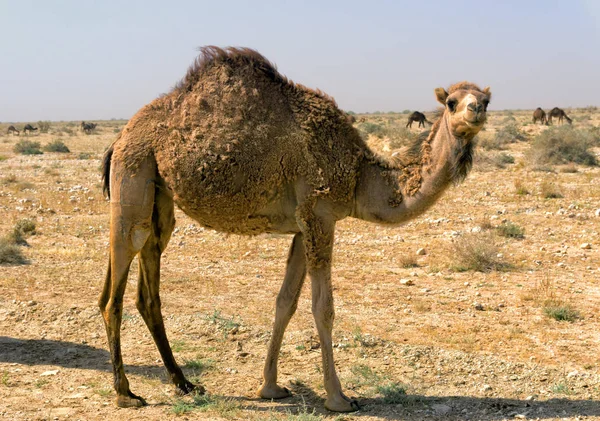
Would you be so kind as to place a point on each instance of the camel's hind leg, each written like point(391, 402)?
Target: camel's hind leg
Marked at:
point(132, 202)
point(287, 301)
point(148, 299)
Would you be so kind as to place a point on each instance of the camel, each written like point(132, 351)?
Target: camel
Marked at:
point(12, 130)
point(29, 128)
point(87, 128)
point(241, 149)
point(417, 116)
point(560, 114)
point(539, 115)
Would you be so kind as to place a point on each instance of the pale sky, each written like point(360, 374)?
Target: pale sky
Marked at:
point(85, 60)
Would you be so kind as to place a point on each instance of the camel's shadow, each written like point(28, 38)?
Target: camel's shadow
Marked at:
point(65, 354)
point(304, 399)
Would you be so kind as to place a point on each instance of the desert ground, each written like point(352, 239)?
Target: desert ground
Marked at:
point(484, 308)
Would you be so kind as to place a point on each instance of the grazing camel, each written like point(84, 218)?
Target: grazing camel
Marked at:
point(241, 149)
point(417, 116)
point(87, 128)
point(12, 130)
point(539, 115)
point(29, 128)
point(560, 114)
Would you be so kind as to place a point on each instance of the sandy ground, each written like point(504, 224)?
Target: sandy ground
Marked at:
point(461, 345)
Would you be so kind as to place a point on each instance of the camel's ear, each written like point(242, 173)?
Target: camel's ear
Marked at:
point(441, 95)
point(487, 92)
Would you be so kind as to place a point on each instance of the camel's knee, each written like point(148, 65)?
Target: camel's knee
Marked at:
point(286, 303)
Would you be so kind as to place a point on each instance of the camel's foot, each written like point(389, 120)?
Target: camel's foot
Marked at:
point(187, 387)
point(130, 401)
point(273, 391)
point(341, 403)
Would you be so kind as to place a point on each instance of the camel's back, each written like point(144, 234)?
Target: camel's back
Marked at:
point(232, 138)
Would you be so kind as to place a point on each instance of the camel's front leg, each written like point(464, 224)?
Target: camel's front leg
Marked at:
point(287, 301)
point(319, 247)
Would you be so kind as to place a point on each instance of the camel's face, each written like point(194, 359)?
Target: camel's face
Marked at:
point(466, 108)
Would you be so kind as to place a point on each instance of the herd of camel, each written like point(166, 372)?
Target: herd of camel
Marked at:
point(538, 115)
point(87, 128)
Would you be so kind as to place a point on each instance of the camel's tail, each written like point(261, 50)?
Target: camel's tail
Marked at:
point(106, 170)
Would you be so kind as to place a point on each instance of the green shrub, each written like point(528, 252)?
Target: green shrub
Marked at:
point(510, 230)
point(44, 126)
point(563, 145)
point(560, 311)
point(57, 146)
point(27, 147)
point(509, 134)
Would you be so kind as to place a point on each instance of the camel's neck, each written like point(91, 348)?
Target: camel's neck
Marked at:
point(394, 192)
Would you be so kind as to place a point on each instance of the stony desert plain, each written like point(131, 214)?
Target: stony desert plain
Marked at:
point(484, 308)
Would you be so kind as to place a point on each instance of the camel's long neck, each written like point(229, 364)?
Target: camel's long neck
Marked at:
point(396, 192)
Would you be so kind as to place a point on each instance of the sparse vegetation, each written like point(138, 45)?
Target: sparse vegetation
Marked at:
point(27, 147)
point(520, 187)
point(563, 145)
point(560, 311)
point(550, 190)
point(56, 146)
point(44, 126)
point(478, 252)
point(510, 230)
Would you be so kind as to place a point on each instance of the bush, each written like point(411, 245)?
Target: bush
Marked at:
point(557, 310)
point(44, 126)
point(10, 253)
point(370, 128)
point(510, 230)
point(478, 252)
point(57, 146)
point(27, 147)
point(563, 145)
point(549, 190)
point(509, 134)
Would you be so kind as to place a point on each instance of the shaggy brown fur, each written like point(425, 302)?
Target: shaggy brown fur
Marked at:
point(539, 115)
point(418, 117)
point(560, 114)
point(241, 149)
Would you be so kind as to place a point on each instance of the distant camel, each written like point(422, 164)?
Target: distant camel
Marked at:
point(540, 115)
point(29, 128)
point(417, 116)
point(560, 114)
point(241, 149)
point(13, 130)
point(88, 128)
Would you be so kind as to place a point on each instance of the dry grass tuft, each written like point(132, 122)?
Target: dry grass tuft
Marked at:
point(478, 252)
point(550, 190)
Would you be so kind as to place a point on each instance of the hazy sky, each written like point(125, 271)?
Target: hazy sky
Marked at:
point(83, 60)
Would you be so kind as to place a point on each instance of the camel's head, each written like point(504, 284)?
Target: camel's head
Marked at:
point(466, 107)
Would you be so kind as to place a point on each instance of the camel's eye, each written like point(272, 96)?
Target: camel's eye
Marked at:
point(452, 104)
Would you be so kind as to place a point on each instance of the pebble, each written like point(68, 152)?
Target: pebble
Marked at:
point(586, 246)
point(49, 373)
point(406, 282)
point(478, 306)
point(441, 409)
point(597, 213)
point(421, 252)
point(486, 388)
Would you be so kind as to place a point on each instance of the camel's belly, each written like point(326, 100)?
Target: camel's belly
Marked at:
point(236, 214)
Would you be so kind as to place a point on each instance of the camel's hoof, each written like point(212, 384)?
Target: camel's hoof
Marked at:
point(341, 403)
point(187, 387)
point(130, 401)
point(274, 392)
